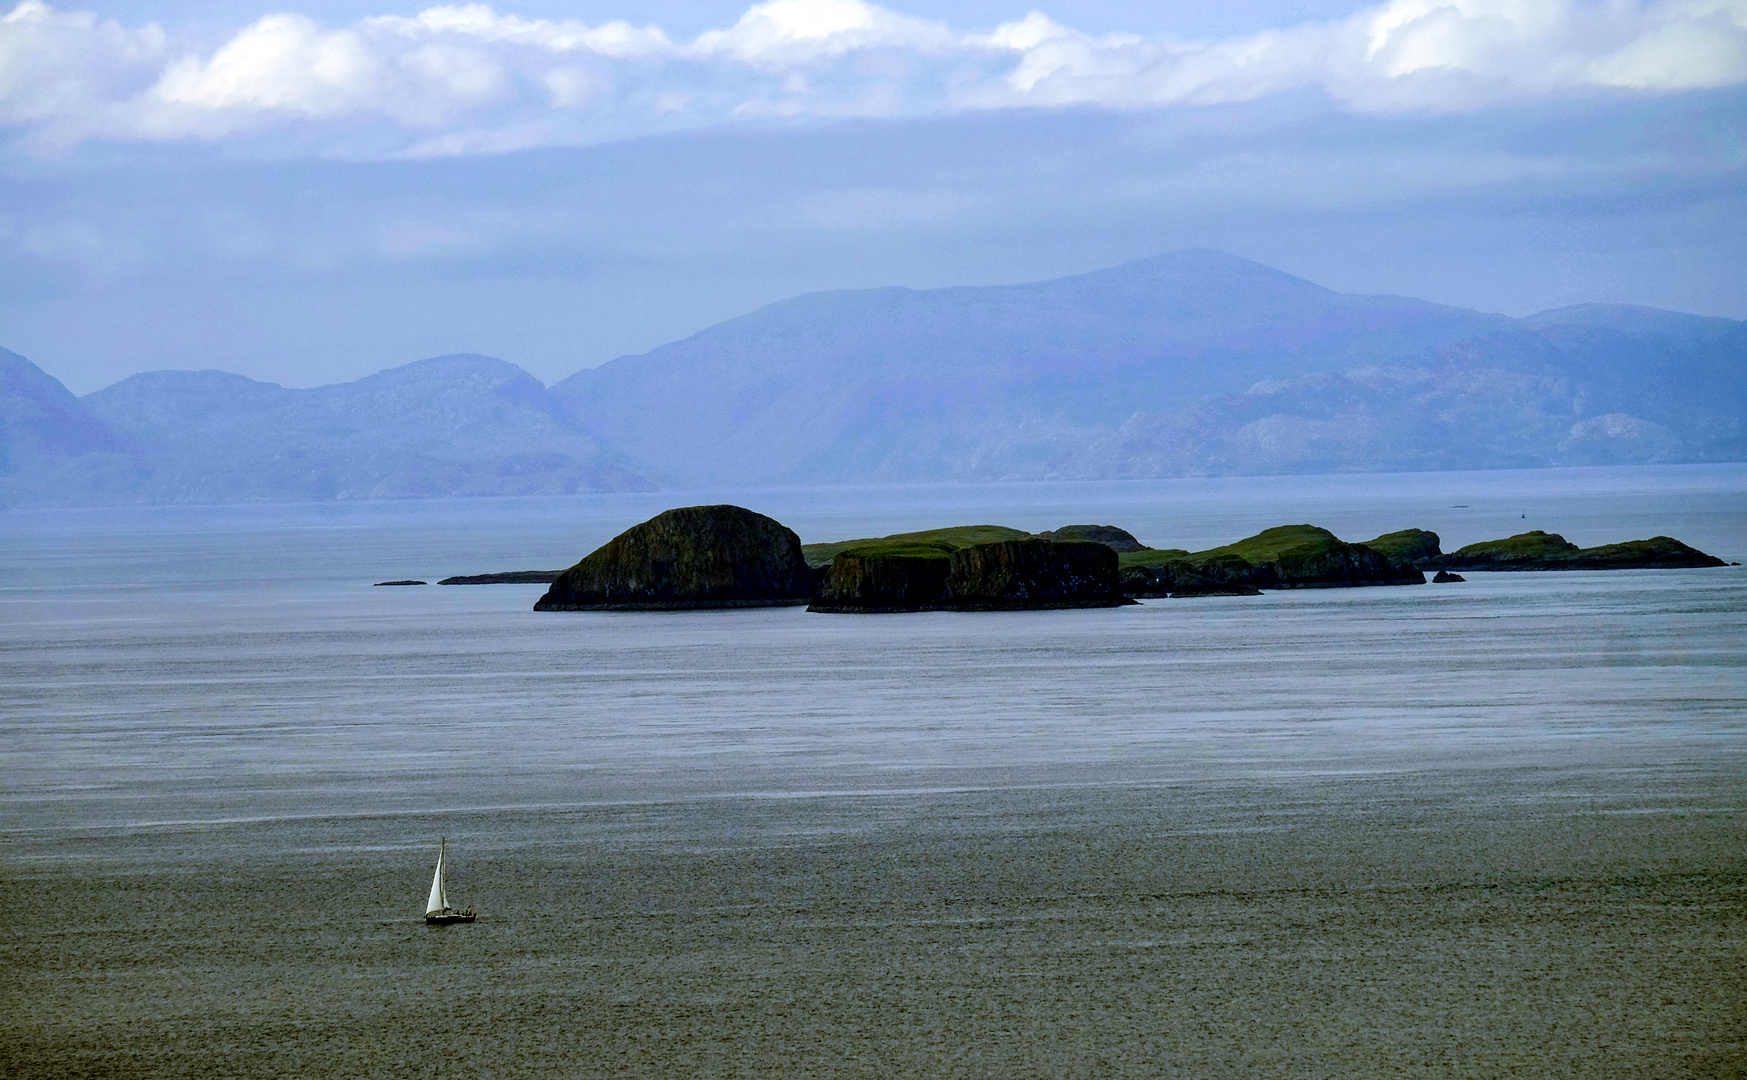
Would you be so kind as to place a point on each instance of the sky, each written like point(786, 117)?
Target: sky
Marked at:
point(308, 193)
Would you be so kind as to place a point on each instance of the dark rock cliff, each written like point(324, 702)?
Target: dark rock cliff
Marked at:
point(1183, 574)
point(1026, 574)
point(1538, 550)
point(693, 557)
point(1007, 575)
point(869, 582)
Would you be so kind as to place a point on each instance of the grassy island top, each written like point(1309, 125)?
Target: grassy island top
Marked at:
point(1261, 549)
point(1265, 547)
point(1268, 545)
point(927, 544)
point(1409, 544)
point(1151, 556)
point(1530, 545)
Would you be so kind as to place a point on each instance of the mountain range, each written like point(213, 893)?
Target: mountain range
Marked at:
point(1192, 363)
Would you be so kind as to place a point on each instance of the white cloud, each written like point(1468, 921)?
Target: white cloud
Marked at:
point(780, 35)
point(466, 79)
point(55, 65)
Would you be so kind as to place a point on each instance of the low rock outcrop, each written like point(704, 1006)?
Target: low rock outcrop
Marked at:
point(1444, 577)
point(1213, 588)
point(1538, 550)
point(505, 577)
point(693, 557)
point(1117, 540)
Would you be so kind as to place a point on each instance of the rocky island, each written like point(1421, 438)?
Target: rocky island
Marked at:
point(1284, 557)
point(692, 557)
point(1538, 550)
point(728, 556)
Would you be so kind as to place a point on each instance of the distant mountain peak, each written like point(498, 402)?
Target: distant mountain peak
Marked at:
point(472, 366)
point(1199, 268)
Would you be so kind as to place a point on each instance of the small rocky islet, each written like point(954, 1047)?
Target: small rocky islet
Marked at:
point(727, 556)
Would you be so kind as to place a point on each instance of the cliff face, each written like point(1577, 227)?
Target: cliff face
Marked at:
point(1538, 550)
point(871, 582)
point(693, 557)
point(1007, 575)
point(1023, 574)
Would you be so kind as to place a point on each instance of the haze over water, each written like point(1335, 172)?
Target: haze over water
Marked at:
point(1464, 830)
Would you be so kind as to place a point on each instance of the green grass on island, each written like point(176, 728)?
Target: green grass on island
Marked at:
point(1150, 557)
point(1408, 544)
point(927, 544)
point(1268, 545)
point(1535, 544)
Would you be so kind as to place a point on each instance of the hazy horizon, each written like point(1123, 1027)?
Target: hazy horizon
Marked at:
point(560, 378)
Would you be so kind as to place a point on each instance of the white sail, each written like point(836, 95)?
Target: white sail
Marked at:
point(439, 900)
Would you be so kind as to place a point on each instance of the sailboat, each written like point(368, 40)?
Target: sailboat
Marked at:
point(437, 909)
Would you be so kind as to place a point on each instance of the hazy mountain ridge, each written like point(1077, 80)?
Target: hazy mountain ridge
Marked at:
point(1560, 396)
point(900, 384)
point(1188, 364)
point(450, 426)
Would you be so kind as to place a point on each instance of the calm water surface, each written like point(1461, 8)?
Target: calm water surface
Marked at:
point(1475, 830)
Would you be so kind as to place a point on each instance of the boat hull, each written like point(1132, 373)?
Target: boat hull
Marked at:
point(444, 918)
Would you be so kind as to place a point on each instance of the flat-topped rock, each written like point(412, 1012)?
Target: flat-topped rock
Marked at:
point(1032, 574)
point(693, 557)
point(1006, 575)
point(884, 577)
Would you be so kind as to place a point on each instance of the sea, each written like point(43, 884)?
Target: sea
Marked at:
point(1496, 828)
